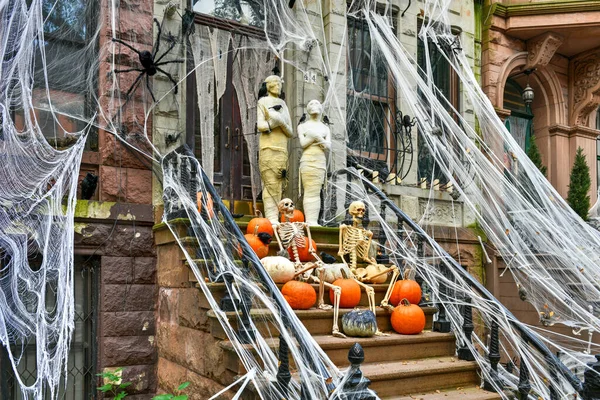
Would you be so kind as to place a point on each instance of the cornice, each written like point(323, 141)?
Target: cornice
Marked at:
point(550, 7)
point(572, 131)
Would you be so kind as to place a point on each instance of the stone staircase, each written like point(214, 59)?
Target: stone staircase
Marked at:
point(420, 366)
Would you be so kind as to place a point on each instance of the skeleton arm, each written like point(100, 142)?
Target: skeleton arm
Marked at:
point(311, 250)
point(341, 242)
point(276, 230)
point(370, 260)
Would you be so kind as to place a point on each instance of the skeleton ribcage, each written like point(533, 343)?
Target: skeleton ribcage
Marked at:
point(291, 231)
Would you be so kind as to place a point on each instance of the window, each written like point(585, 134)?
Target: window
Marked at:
point(81, 379)
point(370, 106)
point(69, 28)
point(246, 12)
point(446, 80)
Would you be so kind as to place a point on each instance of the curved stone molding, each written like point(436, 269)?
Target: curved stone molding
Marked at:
point(585, 89)
point(541, 49)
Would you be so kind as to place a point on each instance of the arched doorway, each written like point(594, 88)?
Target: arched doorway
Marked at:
point(520, 121)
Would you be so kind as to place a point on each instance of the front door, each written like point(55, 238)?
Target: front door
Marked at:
point(232, 176)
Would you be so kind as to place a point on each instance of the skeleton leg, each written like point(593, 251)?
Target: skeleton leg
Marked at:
point(371, 296)
point(321, 281)
point(384, 302)
point(337, 294)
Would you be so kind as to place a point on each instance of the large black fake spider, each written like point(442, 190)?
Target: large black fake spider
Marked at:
point(150, 64)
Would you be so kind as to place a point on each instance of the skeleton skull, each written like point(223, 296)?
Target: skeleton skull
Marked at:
point(286, 207)
point(357, 209)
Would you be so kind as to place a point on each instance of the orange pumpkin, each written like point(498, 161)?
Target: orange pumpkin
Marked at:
point(408, 319)
point(350, 293)
point(259, 242)
point(299, 295)
point(406, 289)
point(263, 224)
point(303, 252)
point(298, 216)
point(210, 209)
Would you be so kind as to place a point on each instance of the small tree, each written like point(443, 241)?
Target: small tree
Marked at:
point(534, 155)
point(579, 185)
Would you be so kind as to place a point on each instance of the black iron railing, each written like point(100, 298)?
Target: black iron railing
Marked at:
point(586, 389)
point(179, 164)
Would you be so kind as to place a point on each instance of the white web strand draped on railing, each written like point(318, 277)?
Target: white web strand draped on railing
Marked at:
point(216, 254)
point(549, 251)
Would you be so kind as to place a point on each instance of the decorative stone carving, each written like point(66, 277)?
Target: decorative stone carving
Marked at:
point(585, 78)
point(441, 212)
point(541, 49)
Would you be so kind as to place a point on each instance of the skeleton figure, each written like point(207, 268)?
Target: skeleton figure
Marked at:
point(356, 242)
point(291, 234)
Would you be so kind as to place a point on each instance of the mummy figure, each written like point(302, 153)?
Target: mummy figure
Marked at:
point(291, 235)
point(355, 242)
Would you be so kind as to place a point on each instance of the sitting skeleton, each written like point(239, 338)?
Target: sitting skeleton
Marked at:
point(291, 235)
point(355, 242)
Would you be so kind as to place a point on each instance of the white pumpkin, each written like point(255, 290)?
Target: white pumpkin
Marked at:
point(280, 269)
point(333, 272)
point(373, 270)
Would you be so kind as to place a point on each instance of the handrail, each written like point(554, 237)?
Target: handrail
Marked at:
point(525, 332)
point(264, 277)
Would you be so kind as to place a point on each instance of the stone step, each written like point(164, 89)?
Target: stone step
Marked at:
point(320, 234)
point(460, 393)
point(218, 290)
point(392, 347)
point(316, 321)
point(395, 378)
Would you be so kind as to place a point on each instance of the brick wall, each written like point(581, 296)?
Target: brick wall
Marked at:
point(121, 234)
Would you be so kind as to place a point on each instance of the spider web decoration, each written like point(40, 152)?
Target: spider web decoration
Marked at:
point(151, 62)
point(40, 102)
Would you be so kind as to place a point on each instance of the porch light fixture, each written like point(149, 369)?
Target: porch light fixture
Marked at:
point(528, 94)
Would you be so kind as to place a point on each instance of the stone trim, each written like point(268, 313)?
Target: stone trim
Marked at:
point(573, 131)
point(541, 49)
point(502, 113)
point(550, 7)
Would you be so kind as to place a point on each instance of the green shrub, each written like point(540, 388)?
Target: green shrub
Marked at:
point(579, 185)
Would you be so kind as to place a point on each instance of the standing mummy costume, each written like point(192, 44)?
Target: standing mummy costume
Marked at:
point(274, 123)
point(315, 139)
